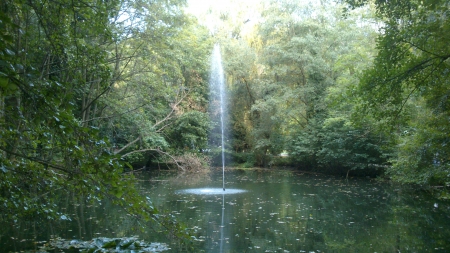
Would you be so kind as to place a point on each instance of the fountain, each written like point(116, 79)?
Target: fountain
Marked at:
point(210, 191)
point(218, 108)
point(217, 85)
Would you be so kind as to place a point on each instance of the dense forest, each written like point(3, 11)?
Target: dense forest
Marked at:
point(92, 90)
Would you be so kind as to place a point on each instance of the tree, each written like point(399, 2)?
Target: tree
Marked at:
point(44, 145)
point(409, 81)
point(309, 56)
point(70, 83)
point(190, 131)
point(291, 77)
point(159, 68)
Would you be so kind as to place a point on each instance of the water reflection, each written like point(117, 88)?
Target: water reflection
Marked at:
point(291, 212)
point(222, 224)
point(279, 211)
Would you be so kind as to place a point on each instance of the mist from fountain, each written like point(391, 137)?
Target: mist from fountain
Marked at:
point(218, 98)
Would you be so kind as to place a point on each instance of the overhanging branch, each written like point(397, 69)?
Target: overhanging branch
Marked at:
point(157, 150)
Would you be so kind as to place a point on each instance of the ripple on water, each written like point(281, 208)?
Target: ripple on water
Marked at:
point(210, 191)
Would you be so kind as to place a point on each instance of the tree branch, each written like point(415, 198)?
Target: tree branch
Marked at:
point(157, 150)
point(169, 115)
point(38, 160)
point(126, 146)
point(115, 115)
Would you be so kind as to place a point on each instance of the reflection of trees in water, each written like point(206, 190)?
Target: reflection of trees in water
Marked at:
point(89, 218)
point(173, 179)
point(332, 215)
point(293, 213)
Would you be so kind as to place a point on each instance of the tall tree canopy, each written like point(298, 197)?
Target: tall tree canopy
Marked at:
point(84, 86)
point(286, 76)
point(407, 89)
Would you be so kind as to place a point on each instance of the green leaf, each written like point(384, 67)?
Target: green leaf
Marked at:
point(3, 81)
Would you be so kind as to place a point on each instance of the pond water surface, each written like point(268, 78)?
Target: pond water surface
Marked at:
point(266, 211)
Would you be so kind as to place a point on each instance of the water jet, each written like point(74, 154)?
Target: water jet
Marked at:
point(218, 94)
point(219, 115)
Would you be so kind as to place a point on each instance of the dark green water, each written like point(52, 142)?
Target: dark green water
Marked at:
point(279, 212)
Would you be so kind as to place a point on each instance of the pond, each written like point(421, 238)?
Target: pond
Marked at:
point(268, 211)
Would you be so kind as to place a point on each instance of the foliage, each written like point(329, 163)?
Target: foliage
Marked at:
point(409, 81)
point(300, 65)
point(44, 145)
point(190, 131)
point(156, 83)
point(421, 153)
point(344, 145)
point(81, 89)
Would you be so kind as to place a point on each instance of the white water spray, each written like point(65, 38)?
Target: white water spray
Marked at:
point(217, 84)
